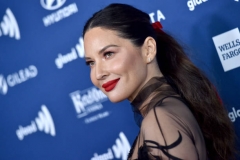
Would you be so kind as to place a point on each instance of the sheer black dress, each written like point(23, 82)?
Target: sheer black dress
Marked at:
point(168, 129)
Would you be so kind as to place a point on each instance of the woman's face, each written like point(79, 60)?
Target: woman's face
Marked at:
point(118, 67)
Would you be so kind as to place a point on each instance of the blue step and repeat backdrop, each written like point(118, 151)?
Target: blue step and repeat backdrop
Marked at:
point(49, 109)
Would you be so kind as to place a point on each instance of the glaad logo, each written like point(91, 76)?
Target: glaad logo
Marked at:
point(89, 101)
point(43, 122)
point(193, 3)
point(120, 150)
point(76, 51)
point(59, 14)
point(234, 114)
point(228, 47)
point(52, 4)
point(159, 16)
point(17, 78)
point(9, 26)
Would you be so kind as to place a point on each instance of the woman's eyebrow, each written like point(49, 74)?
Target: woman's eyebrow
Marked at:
point(103, 49)
point(106, 47)
point(86, 58)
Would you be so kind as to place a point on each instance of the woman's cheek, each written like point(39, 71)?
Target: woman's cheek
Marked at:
point(93, 78)
point(119, 66)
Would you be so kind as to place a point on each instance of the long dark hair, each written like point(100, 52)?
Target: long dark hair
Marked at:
point(180, 73)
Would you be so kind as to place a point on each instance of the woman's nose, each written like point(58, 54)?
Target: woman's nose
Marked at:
point(101, 71)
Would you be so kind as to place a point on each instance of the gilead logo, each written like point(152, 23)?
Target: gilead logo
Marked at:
point(17, 78)
point(228, 47)
point(119, 150)
point(3, 85)
point(43, 122)
point(234, 114)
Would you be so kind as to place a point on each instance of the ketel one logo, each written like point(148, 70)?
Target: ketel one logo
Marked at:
point(43, 122)
point(9, 26)
point(87, 101)
point(52, 4)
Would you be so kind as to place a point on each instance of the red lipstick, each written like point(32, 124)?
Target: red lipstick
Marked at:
point(110, 85)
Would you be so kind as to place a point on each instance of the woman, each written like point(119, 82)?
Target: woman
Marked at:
point(130, 58)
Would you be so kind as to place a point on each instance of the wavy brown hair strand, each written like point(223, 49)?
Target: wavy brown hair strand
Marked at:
point(200, 94)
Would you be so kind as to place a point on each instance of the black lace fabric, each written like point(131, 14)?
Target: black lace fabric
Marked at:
point(168, 129)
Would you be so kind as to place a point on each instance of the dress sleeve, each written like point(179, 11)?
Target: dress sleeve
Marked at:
point(169, 131)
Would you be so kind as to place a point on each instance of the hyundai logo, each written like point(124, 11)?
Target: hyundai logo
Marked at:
point(52, 4)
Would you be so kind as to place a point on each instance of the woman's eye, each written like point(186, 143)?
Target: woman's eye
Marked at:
point(108, 54)
point(90, 63)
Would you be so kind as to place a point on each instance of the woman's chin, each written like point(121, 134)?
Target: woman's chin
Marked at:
point(115, 99)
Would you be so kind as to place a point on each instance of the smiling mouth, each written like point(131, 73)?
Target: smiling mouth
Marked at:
point(110, 85)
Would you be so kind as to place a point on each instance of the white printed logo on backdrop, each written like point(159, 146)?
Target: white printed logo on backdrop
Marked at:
point(157, 17)
point(234, 114)
point(120, 149)
point(88, 102)
point(43, 122)
point(58, 15)
point(17, 78)
point(3, 85)
point(192, 4)
point(228, 47)
point(52, 4)
point(9, 26)
point(77, 51)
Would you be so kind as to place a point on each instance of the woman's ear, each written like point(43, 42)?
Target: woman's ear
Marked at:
point(149, 49)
